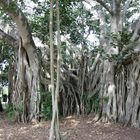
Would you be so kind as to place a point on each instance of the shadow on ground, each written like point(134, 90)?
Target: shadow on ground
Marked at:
point(72, 128)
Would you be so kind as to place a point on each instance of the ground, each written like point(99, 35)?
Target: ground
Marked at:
point(72, 128)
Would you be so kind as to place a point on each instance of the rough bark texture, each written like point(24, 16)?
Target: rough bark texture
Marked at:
point(120, 93)
point(107, 92)
point(11, 81)
point(26, 97)
point(128, 93)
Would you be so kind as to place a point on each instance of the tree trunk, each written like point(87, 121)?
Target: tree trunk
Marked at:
point(108, 105)
point(11, 81)
point(26, 98)
point(54, 130)
point(119, 89)
point(26, 89)
point(127, 89)
point(1, 108)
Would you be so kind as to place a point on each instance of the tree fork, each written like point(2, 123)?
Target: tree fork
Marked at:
point(28, 73)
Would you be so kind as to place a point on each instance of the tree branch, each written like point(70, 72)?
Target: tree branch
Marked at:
point(88, 2)
point(132, 56)
point(126, 6)
point(105, 6)
point(8, 39)
point(119, 2)
point(136, 29)
point(19, 18)
point(127, 3)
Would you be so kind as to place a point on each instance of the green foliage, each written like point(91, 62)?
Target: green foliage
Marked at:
point(74, 20)
point(10, 113)
point(5, 52)
point(120, 41)
point(105, 99)
point(13, 112)
point(94, 25)
point(46, 105)
point(11, 6)
point(6, 55)
point(135, 6)
point(63, 52)
point(91, 102)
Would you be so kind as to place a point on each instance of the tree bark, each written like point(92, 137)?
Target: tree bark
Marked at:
point(54, 131)
point(108, 105)
point(119, 93)
point(27, 96)
point(11, 81)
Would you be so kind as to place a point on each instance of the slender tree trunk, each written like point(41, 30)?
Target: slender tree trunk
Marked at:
point(54, 131)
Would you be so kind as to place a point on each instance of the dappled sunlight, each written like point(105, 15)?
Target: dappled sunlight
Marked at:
point(64, 134)
point(73, 122)
point(36, 125)
point(88, 122)
point(108, 124)
point(23, 128)
point(69, 117)
point(9, 135)
point(72, 127)
point(1, 130)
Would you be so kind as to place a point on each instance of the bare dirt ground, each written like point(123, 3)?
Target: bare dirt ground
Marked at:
point(72, 128)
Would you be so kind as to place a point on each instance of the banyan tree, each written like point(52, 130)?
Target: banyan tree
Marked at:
point(102, 79)
point(109, 85)
point(26, 86)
